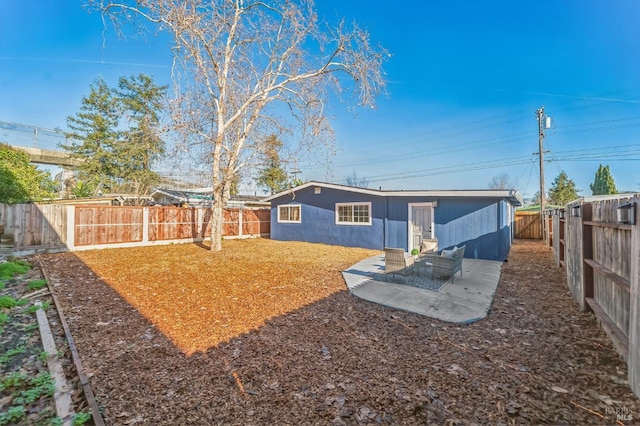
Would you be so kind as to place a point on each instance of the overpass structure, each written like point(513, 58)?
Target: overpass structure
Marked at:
point(49, 156)
point(41, 144)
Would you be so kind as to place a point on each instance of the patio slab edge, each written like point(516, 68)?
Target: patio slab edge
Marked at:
point(456, 302)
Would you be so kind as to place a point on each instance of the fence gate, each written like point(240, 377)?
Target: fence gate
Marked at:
point(528, 225)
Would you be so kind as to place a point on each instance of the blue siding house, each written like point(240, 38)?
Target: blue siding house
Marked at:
point(333, 214)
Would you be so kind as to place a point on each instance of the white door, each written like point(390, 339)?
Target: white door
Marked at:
point(421, 224)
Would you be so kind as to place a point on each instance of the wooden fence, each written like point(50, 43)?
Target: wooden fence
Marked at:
point(601, 258)
point(69, 227)
point(528, 225)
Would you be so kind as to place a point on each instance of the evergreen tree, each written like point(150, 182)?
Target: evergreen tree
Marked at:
point(116, 135)
point(140, 102)
point(603, 183)
point(273, 176)
point(94, 135)
point(563, 190)
point(19, 180)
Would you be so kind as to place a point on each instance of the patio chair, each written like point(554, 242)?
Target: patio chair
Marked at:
point(447, 263)
point(396, 262)
point(429, 245)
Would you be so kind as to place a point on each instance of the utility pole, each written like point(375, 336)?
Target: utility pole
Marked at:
point(541, 117)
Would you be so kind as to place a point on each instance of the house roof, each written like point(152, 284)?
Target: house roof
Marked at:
point(590, 198)
point(184, 196)
point(204, 194)
point(511, 194)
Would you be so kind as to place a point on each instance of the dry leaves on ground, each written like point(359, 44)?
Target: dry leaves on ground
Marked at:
point(266, 333)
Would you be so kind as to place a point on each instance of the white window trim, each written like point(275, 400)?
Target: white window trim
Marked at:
point(365, 203)
point(299, 206)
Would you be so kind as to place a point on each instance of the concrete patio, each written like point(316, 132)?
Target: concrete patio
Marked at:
point(466, 300)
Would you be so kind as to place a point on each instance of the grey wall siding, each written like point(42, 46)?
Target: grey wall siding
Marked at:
point(318, 223)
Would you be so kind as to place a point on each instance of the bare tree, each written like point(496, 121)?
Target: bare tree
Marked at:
point(245, 67)
point(354, 180)
point(501, 182)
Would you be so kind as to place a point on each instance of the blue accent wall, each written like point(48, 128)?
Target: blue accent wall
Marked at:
point(318, 223)
point(481, 224)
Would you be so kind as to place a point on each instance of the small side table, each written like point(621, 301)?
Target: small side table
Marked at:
point(422, 266)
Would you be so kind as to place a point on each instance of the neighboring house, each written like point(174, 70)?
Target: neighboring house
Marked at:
point(202, 198)
point(175, 197)
point(358, 217)
point(106, 200)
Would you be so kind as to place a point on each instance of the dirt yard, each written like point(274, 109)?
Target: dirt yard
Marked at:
point(266, 333)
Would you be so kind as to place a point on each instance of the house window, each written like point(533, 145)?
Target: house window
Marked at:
point(353, 213)
point(289, 213)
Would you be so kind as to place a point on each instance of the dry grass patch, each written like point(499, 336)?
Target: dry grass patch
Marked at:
point(199, 299)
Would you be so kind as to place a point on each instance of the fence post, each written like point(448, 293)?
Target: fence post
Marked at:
point(199, 219)
point(634, 309)
point(587, 253)
point(145, 225)
point(71, 227)
point(240, 219)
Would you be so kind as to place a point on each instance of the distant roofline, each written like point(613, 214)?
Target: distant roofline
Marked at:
point(511, 194)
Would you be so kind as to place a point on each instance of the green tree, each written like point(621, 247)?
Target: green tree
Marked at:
point(272, 176)
point(93, 136)
point(603, 183)
point(82, 189)
point(19, 180)
point(117, 135)
point(563, 190)
point(140, 101)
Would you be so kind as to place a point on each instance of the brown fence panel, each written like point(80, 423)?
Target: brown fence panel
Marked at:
point(44, 226)
point(256, 222)
point(54, 225)
point(172, 223)
point(231, 223)
point(205, 225)
point(602, 260)
point(574, 263)
point(528, 225)
point(35, 225)
point(107, 225)
point(611, 263)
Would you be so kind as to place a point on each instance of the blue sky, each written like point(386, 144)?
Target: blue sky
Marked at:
point(464, 82)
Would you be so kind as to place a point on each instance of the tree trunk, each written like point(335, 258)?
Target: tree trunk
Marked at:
point(217, 217)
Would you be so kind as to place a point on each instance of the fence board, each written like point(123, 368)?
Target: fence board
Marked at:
point(33, 225)
point(256, 222)
point(602, 265)
point(230, 223)
point(96, 225)
point(528, 225)
point(44, 226)
point(172, 223)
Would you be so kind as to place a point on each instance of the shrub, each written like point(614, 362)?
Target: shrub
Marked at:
point(37, 284)
point(10, 269)
point(7, 302)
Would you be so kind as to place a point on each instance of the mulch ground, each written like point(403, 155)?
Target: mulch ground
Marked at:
point(266, 333)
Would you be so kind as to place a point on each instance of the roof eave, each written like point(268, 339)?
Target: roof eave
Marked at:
point(510, 194)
